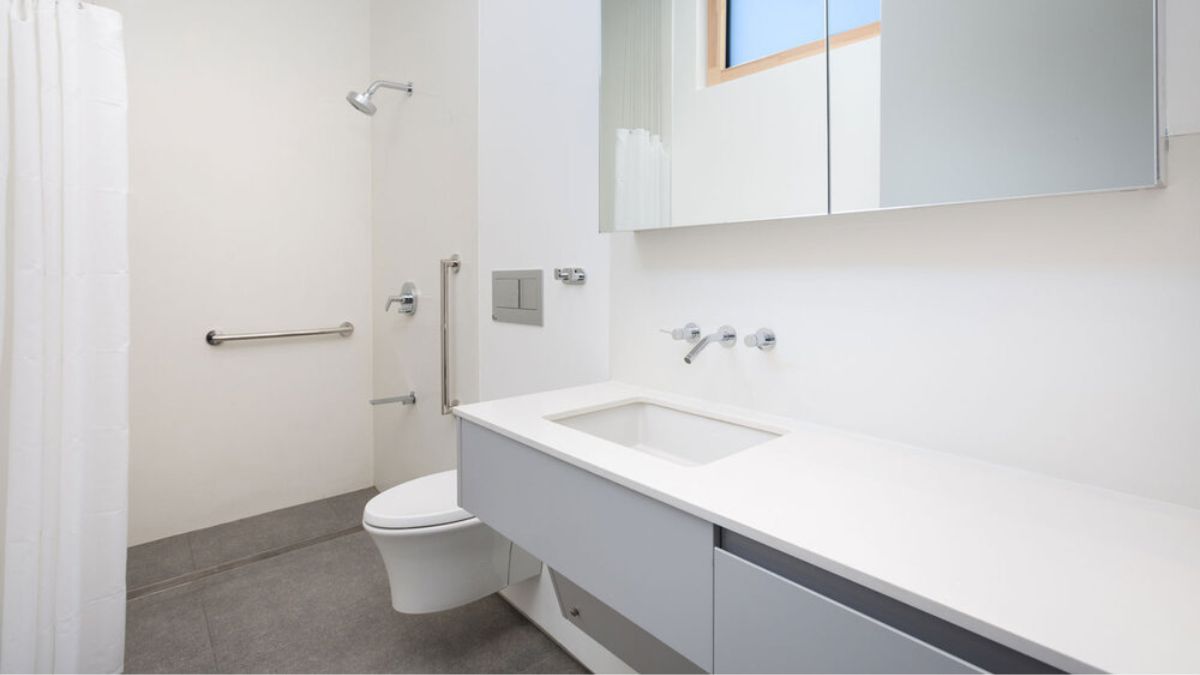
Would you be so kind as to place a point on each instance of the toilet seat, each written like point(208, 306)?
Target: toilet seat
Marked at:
point(428, 501)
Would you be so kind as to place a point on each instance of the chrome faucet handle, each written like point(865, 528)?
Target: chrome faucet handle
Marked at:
point(407, 299)
point(763, 338)
point(725, 335)
point(690, 333)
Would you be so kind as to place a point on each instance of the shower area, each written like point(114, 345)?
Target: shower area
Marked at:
point(286, 245)
point(262, 203)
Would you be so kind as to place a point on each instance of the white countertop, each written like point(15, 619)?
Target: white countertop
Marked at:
point(1080, 577)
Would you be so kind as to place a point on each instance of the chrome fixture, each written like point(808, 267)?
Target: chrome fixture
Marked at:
point(407, 299)
point(408, 399)
point(726, 335)
point(763, 338)
point(362, 102)
point(451, 264)
point(570, 275)
point(215, 338)
point(690, 332)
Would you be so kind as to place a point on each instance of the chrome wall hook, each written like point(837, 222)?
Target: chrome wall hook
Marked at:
point(570, 275)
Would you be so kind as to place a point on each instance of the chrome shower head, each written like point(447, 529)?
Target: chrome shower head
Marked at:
point(362, 102)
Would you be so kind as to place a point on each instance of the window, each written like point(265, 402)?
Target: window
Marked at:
point(749, 36)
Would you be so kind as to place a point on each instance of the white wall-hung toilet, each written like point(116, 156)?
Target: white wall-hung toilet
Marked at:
point(438, 556)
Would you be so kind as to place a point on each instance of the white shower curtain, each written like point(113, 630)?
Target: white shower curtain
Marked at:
point(64, 296)
point(637, 90)
point(642, 186)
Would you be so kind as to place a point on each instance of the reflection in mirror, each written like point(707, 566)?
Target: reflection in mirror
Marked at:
point(710, 113)
point(991, 99)
point(719, 111)
point(757, 29)
point(854, 112)
point(747, 147)
point(635, 110)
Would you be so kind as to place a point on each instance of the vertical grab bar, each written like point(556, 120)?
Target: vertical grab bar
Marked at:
point(451, 264)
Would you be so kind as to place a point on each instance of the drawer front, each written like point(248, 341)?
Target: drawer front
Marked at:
point(628, 641)
point(767, 624)
point(648, 561)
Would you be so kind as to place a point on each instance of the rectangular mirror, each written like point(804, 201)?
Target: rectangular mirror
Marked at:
point(992, 99)
point(716, 111)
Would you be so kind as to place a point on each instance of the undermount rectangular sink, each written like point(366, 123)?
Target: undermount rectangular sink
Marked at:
point(671, 434)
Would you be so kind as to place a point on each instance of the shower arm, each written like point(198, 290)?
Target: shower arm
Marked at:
point(406, 87)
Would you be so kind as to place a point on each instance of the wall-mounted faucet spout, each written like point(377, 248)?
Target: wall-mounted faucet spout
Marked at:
point(726, 335)
point(362, 102)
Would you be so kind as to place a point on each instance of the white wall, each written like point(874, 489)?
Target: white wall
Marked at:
point(1056, 334)
point(424, 150)
point(538, 200)
point(249, 210)
point(538, 204)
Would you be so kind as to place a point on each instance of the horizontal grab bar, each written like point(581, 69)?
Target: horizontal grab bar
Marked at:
point(408, 399)
point(214, 338)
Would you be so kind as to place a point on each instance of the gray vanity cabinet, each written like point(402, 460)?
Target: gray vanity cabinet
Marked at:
point(648, 561)
point(722, 601)
point(765, 623)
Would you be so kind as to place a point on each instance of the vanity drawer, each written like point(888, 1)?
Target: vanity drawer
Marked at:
point(765, 623)
point(646, 560)
point(777, 613)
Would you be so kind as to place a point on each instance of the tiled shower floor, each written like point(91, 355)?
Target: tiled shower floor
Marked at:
point(304, 590)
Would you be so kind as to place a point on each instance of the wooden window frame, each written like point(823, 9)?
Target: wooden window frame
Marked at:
point(718, 28)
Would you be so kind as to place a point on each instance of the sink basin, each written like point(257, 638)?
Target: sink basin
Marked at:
point(669, 433)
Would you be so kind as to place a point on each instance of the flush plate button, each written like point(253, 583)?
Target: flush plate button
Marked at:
point(517, 296)
point(531, 293)
point(506, 294)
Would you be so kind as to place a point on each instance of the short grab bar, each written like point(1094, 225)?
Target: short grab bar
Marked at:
point(408, 399)
point(215, 338)
point(451, 264)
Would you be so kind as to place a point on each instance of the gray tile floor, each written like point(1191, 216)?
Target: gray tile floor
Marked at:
point(182, 554)
point(323, 607)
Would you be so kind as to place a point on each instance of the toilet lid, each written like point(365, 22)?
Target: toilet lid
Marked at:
point(421, 502)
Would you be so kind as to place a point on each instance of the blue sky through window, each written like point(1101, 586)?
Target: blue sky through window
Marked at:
point(759, 28)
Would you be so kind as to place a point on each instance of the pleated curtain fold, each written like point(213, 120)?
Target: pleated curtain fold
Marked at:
point(64, 347)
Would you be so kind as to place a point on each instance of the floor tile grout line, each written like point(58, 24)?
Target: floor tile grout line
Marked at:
point(197, 575)
point(187, 538)
point(212, 645)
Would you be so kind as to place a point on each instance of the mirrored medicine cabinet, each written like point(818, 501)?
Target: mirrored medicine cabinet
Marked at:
point(719, 111)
